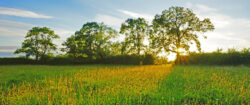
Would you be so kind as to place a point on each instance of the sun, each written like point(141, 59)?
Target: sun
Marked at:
point(182, 51)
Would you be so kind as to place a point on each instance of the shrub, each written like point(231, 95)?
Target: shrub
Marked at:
point(232, 57)
point(9, 61)
point(67, 60)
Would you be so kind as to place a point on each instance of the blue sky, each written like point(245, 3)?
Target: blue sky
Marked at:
point(230, 17)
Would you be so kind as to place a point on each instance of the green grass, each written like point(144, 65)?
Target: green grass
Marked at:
point(100, 84)
point(17, 74)
point(206, 85)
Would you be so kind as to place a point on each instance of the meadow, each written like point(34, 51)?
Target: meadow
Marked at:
point(117, 84)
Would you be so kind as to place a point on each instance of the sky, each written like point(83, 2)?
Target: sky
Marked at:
point(231, 18)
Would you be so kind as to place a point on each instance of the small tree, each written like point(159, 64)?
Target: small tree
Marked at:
point(38, 42)
point(73, 47)
point(177, 28)
point(135, 31)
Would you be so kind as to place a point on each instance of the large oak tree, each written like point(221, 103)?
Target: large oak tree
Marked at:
point(177, 28)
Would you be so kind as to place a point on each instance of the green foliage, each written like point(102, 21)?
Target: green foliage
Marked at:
point(135, 31)
point(130, 60)
point(68, 60)
point(38, 42)
point(92, 41)
point(174, 29)
point(122, 59)
point(16, 61)
point(177, 28)
point(148, 59)
point(161, 60)
point(232, 57)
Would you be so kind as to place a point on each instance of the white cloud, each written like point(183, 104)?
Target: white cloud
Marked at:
point(14, 29)
point(205, 8)
point(64, 34)
point(116, 22)
point(148, 17)
point(229, 31)
point(109, 20)
point(8, 48)
point(18, 30)
point(22, 13)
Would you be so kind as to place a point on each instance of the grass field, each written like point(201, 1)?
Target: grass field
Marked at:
point(100, 84)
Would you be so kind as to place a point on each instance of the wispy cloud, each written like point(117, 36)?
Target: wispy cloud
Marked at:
point(8, 48)
point(22, 13)
point(148, 17)
point(14, 32)
point(19, 29)
point(116, 22)
point(109, 20)
point(13, 28)
point(205, 8)
point(64, 34)
point(229, 31)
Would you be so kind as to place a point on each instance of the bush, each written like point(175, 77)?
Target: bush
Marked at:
point(232, 57)
point(148, 59)
point(67, 60)
point(121, 59)
point(129, 60)
point(9, 61)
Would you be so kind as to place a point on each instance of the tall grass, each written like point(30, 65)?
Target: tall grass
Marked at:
point(127, 85)
point(205, 85)
point(104, 85)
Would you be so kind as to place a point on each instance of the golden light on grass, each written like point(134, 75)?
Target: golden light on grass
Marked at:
point(89, 87)
point(132, 85)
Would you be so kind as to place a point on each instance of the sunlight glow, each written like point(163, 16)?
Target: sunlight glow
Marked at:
point(171, 56)
point(182, 51)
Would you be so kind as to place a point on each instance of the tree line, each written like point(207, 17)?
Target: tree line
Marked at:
point(231, 57)
point(175, 28)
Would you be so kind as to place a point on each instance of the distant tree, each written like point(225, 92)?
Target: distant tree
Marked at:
point(92, 41)
point(135, 31)
point(38, 42)
point(177, 28)
point(116, 48)
point(73, 47)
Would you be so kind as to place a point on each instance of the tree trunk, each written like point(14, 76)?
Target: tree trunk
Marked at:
point(36, 45)
point(177, 58)
point(36, 57)
point(138, 45)
point(139, 50)
point(101, 56)
point(178, 61)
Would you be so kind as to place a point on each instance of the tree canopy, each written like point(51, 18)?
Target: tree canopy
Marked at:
point(177, 28)
point(135, 31)
point(38, 42)
point(92, 41)
point(174, 29)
